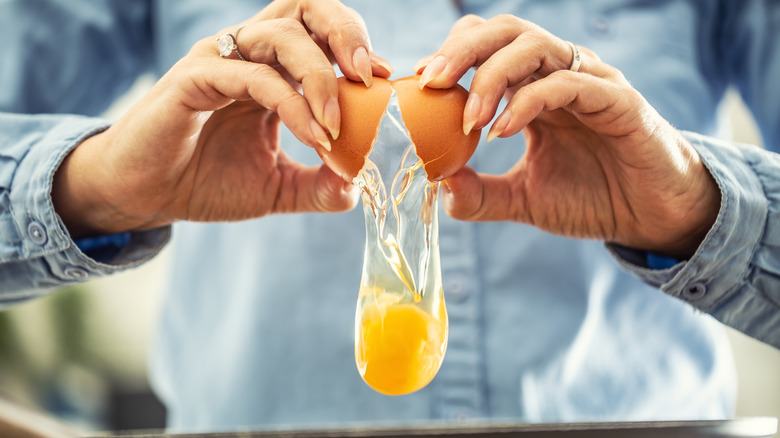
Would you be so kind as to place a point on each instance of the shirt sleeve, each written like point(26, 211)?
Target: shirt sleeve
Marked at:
point(60, 56)
point(735, 273)
point(36, 252)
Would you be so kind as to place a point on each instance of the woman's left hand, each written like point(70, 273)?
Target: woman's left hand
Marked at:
point(600, 162)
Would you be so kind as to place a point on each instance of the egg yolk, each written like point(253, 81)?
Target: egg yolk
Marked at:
point(399, 347)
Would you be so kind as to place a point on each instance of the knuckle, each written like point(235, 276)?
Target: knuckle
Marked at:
point(471, 20)
point(288, 100)
point(204, 46)
point(260, 71)
point(355, 16)
point(569, 76)
point(354, 29)
point(260, 74)
point(318, 78)
point(491, 75)
point(288, 25)
point(536, 37)
point(507, 20)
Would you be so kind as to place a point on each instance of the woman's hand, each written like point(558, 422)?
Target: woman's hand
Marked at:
point(203, 144)
point(600, 162)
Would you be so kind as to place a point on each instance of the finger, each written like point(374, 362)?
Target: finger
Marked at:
point(341, 27)
point(379, 66)
point(470, 47)
point(285, 42)
point(533, 54)
point(603, 105)
point(468, 195)
point(420, 66)
point(346, 34)
point(315, 189)
point(213, 85)
point(463, 23)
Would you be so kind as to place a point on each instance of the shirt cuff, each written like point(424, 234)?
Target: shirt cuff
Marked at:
point(38, 252)
point(720, 278)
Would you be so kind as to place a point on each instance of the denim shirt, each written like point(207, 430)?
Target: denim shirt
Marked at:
point(258, 325)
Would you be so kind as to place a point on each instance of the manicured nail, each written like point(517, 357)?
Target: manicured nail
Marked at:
point(319, 134)
point(500, 125)
point(332, 116)
point(434, 69)
point(381, 62)
point(362, 65)
point(421, 64)
point(471, 113)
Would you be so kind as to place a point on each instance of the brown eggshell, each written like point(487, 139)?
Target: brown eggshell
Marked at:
point(362, 109)
point(434, 119)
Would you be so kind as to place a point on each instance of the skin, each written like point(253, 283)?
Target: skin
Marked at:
point(600, 163)
point(203, 144)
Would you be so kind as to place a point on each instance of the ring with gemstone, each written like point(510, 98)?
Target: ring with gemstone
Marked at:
point(228, 43)
point(576, 59)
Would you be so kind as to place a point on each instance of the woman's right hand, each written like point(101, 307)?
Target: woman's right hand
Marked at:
point(203, 143)
point(600, 162)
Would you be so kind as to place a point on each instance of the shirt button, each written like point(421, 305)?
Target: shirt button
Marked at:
point(599, 25)
point(76, 273)
point(694, 291)
point(37, 233)
point(457, 292)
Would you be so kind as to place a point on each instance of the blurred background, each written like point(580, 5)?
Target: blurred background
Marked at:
point(80, 354)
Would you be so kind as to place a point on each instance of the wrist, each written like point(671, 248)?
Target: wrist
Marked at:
point(698, 206)
point(82, 192)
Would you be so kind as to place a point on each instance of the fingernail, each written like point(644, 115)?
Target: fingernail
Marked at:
point(500, 125)
point(421, 64)
point(471, 113)
point(378, 60)
point(319, 134)
point(332, 116)
point(435, 68)
point(362, 65)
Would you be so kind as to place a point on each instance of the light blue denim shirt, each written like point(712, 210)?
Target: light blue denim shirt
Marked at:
point(258, 327)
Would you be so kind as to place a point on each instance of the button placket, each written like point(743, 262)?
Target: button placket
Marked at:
point(460, 382)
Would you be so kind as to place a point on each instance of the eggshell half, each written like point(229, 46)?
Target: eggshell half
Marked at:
point(362, 109)
point(434, 119)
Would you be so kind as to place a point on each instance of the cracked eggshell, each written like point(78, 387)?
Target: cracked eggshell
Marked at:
point(434, 119)
point(362, 109)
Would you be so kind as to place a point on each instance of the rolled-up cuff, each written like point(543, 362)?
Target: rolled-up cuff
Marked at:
point(728, 276)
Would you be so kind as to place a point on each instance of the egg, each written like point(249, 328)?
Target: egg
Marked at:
point(433, 117)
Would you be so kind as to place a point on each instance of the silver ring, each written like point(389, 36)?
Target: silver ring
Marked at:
point(228, 43)
point(576, 59)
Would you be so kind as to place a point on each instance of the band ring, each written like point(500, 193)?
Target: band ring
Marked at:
point(228, 43)
point(576, 59)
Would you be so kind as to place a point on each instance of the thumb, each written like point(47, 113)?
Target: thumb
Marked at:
point(325, 191)
point(471, 196)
